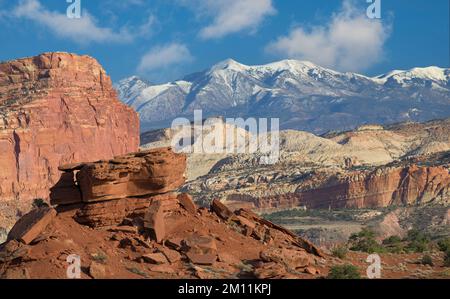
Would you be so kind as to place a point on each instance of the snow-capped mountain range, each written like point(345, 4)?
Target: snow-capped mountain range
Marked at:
point(303, 95)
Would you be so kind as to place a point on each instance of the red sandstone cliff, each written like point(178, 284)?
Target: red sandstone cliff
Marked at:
point(380, 188)
point(57, 108)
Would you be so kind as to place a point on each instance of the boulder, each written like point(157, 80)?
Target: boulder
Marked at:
point(155, 258)
point(200, 249)
point(228, 258)
point(291, 258)
point(221, 210)
point(145, 173)
point(174, 243)
point(171, 255)
point(245, 222)
point(115, 212)
point(200, 244)
point(187, 203)
point(154, 221)
point(31, 225)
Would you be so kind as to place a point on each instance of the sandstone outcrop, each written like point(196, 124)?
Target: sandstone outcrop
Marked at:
point(105, 192)
point(145, 173)
point(382, 187)
point(57, 108)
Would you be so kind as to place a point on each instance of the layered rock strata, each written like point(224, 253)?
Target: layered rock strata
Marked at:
point(106, 192)
point(57, 108)
point(383, 187)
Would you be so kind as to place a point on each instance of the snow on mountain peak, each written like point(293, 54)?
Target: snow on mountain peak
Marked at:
point(305, 95)
point(290, 64)
point(229, 64)
point(433, 73)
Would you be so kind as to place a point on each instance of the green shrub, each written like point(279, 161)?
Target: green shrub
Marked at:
point(99, 257)
point(340, 251)
point(427, 260)
point(392, 240)
point(417, 241)
point(39, 203)
point(444, 245)
point(344, 272)
point(365, 241)
point(393, 244)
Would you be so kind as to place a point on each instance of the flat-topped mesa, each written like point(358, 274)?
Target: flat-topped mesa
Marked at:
point(57, 108)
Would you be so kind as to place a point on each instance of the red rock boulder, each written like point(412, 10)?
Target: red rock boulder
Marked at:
point(146, 173)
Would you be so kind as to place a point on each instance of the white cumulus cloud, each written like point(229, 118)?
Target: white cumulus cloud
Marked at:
point(83, 30)
point(230, 16)
point(162, 57)
point(349, 42)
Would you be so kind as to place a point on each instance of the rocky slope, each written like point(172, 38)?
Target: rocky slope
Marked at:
point(55, 108)
point(303, 95)
point(159, 234)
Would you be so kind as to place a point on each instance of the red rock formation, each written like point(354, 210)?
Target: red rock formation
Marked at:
point(380, 188)
point(106, 192)
point(57, 108)
point(188, 243)
point(145, 173)
point(166, 230)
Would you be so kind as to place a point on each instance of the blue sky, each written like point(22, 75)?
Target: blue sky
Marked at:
point(163, 40)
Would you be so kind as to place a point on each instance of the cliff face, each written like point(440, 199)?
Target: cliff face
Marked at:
point(57, 108)
point(380, 188)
